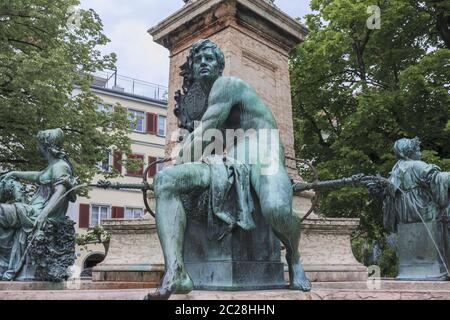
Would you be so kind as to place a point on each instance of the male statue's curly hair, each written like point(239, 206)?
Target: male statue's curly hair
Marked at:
point(206, 44)
point(186, 68)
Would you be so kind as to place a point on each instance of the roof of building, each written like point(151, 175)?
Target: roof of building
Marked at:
point(131, 96)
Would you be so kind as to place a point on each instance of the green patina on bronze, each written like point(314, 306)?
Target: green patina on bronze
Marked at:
point(36, 236)
point(416, 208)
point(417, 191)
point(235, 187)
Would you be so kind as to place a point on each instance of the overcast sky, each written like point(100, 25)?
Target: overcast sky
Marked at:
point(126, 24)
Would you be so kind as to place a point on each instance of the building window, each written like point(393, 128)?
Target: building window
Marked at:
point(161, 126)
point(137, 120)
point(140, 171)
point(105, 165)
point(98, 214)
point(134, 213)
point(107, 108)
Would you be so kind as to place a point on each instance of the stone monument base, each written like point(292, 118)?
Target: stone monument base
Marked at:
point(386, 290)
point(236, 276)
point(419, 259)
point(242, 260)
point(134, 254)
point(73, 285)
point(325, 248)
point(127, 273)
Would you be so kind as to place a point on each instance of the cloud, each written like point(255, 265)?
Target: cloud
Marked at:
point(138, 53)
point(126, 24)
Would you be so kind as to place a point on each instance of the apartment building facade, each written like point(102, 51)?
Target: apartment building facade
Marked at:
point(148, 137)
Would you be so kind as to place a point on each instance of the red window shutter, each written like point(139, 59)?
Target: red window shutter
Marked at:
point(155, 123)
point(152, 123)
point(118, 213)
point(117, 158)
point(83, 221)
point(140, 172)
point(152, 171)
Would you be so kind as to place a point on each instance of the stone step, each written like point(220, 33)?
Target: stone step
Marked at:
point(75, 285)
point(390, 290)
point(212, 295)
point(389, 284)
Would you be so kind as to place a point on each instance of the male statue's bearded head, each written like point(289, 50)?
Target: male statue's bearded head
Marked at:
point(206, 61)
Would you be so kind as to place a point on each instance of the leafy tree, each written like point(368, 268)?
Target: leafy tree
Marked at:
point(48, 53)
point(96, 235)
point(356, 90)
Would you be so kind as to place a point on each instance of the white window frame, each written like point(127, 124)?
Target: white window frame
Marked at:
point(144, 127)
point(105, 107)
point(133, 208)
point(165, 126)
point(108, 214)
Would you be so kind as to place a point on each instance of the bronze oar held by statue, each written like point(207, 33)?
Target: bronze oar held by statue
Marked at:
point(144, 186)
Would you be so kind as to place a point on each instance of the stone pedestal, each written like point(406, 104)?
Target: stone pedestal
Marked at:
point(325, 246)
point(242, 260)
point(134, 254)
point(419, 258)
point(326, 252)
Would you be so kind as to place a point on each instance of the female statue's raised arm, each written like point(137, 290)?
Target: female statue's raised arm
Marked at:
point(30, 176)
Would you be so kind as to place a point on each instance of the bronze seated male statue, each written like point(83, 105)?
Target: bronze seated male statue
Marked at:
point(241, 186)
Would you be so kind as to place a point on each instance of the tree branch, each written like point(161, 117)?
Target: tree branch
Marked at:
point(72, 130)
point(315, 126)
point(443, 25)
point(26, 43)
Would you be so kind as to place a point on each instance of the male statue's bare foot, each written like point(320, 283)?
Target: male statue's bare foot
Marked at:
point(173, 283)
point(159, 294)
point(299, 281)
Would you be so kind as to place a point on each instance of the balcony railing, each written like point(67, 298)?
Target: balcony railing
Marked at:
point(113, 81)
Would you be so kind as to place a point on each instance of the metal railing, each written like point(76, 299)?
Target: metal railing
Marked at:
point(114, 81)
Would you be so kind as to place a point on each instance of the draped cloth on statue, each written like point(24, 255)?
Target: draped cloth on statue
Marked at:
point(17, 220)
point(230, 181)
point(228, 198)
point(417, 191)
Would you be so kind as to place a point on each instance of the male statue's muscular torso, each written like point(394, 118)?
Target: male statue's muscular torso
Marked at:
point(233, 105)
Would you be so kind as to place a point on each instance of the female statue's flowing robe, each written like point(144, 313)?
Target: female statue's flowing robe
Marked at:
point(17, 220)
point(418, 191)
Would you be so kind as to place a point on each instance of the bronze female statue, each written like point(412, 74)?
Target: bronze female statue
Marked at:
point(36, 237)
point(416, 207)
point(417, 192)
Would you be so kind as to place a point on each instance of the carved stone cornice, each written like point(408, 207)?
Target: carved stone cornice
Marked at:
point(257, 15)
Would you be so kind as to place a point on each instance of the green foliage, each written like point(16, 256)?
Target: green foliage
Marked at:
point(356, 91)
point(95, 235)
point(45, 67)
point(365, 251)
